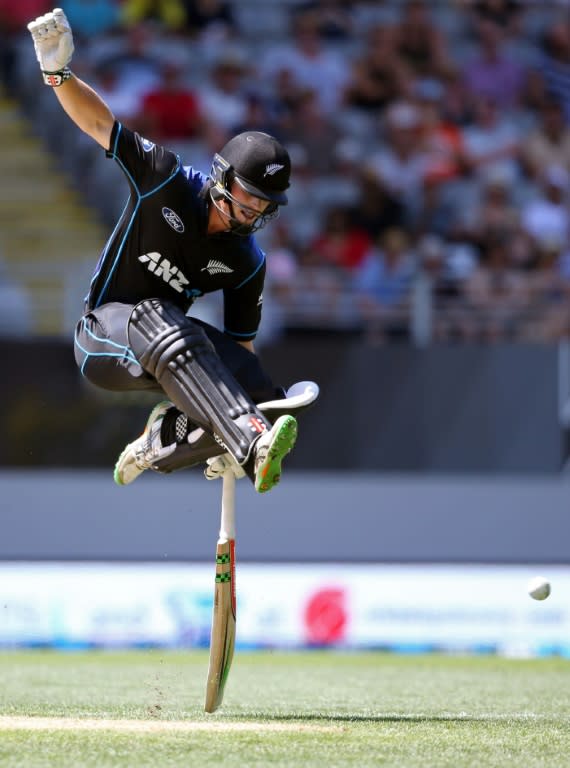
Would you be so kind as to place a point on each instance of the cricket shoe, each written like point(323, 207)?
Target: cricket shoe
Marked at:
point(269, 451)
point(146, 450)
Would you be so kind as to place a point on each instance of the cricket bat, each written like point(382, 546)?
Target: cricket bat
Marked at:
point(222, 639)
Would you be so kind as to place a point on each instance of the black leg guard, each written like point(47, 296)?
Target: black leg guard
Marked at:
point(177, 352)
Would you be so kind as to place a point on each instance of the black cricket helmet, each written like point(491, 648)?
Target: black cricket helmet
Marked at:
point(260, 165)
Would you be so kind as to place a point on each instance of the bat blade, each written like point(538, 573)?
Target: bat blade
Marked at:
point(222, 639)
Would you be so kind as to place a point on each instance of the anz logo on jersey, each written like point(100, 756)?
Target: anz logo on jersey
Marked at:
point(173, 219)
point(161, 267)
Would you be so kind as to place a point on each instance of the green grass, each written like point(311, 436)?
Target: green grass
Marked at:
point(310, 710)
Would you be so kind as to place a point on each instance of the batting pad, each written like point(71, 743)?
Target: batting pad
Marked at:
point(177, 352)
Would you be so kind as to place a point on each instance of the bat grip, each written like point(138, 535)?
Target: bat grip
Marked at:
point(227, 523)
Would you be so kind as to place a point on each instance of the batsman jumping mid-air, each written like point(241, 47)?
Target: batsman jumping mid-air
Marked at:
point(181, 235)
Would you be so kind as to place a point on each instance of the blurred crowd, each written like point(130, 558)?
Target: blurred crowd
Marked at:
point(430, 143)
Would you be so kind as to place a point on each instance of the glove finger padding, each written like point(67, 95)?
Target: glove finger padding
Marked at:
point(53, 40)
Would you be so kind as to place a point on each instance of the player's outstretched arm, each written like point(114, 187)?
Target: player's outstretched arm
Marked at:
point(53, 41)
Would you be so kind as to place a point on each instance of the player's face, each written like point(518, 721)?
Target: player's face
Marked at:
point(247, 208)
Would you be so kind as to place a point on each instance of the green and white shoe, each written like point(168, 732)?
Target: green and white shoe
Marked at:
point(269, 451)
point(143, 452)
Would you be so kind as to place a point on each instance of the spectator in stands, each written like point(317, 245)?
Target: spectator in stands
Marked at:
point(491, 141)
point(376, 210)
point(210, 20)
point(420, 43)
point(441, 140)
point(546, 219)
point(497, 294)
point(400, 163)
point(549, 143)
point(492, 73)
point(223, 96)
point(456, 104)
point(320, 293)
point(449, 316)
point(506, 14)
point(259, 115)
point(136, 64)
point(341, 244)
point(555, 64)
point(548, 319)
point(310, 63)
point(335, 19)
point(307, 126)
point(378, 75)
point(435, 212)
point(171, 111)
point(169, 14)
point(494, 217)
point(382, 287)
point(122, 100)
point(13, 19)
point(281, 282)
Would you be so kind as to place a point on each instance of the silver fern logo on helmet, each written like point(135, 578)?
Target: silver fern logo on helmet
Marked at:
point(272, 169)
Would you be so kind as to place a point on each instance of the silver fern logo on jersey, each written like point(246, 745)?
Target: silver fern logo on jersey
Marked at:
point(173, 219)
point(214, 267)
point(272, 168)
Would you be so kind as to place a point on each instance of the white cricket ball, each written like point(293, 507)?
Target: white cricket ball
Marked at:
point(539, 588)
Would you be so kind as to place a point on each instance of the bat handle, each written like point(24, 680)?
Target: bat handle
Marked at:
point(228, 523)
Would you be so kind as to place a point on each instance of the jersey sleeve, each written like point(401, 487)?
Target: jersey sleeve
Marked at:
point(243, 304)
point(145, 164)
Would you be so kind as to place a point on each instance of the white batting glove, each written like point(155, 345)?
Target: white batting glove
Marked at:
point(219, 465)
point(53, 41)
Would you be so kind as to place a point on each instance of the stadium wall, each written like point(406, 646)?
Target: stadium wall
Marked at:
point(389, 409)
point(312, 517)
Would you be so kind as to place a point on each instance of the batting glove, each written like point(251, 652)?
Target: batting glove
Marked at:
point(53, 42)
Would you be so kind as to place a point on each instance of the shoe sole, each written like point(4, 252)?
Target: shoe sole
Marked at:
point(268, 473)
point(119, 465)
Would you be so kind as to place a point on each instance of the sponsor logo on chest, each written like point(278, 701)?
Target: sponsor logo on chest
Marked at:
point(161, 267)
point(173, 220)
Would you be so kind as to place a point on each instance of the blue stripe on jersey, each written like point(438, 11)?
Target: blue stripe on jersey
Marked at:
point(241, 335)
point(137, 206)
point(106, 248)
point(255, 271)
point(118, 256)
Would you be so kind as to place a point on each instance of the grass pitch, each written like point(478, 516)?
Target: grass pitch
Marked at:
point(283, 710)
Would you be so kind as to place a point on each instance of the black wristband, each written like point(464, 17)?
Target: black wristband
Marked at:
point(55, 79)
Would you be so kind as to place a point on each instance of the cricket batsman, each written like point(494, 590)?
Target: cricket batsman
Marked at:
point(181, 235)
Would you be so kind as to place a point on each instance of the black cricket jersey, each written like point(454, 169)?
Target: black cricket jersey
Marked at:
point(159, 247)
